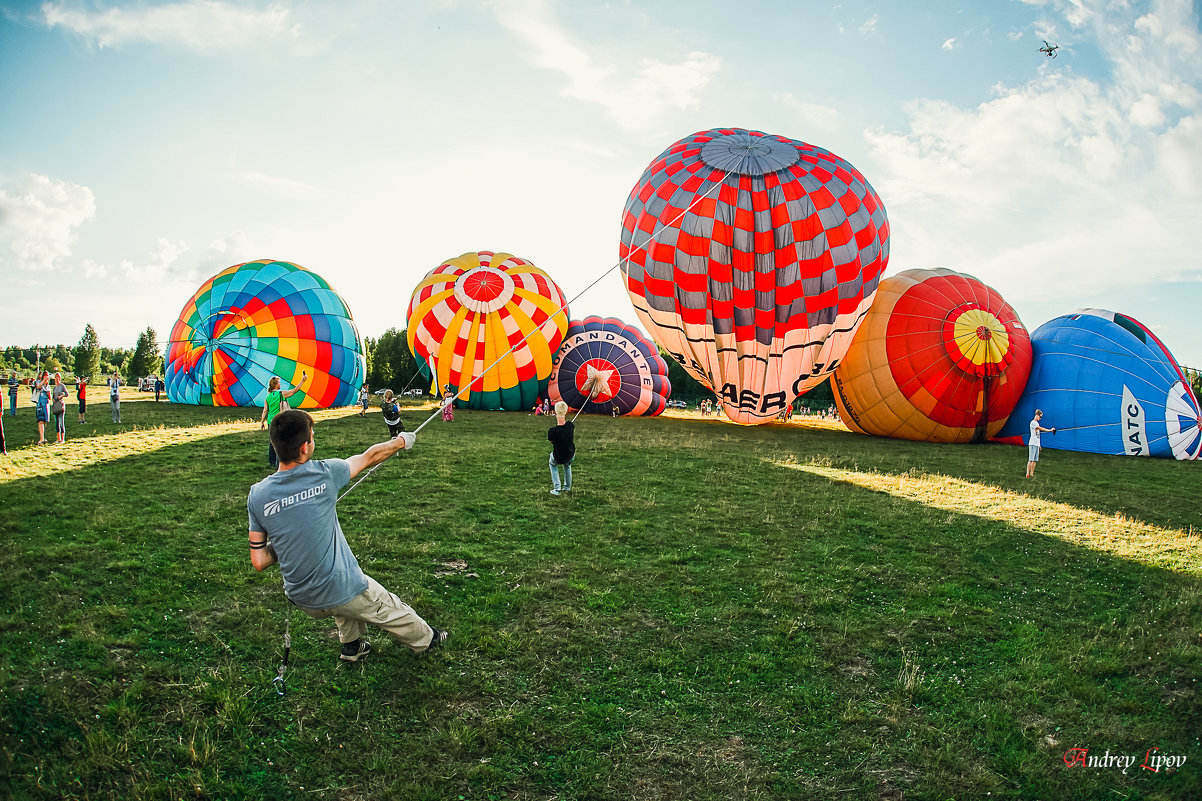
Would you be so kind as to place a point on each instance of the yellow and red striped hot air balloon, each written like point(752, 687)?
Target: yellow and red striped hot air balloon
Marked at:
point(939, 357)
point(486, 325)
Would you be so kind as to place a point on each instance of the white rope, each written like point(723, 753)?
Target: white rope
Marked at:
point(650, 238)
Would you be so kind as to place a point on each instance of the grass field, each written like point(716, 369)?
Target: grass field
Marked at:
point(714, 612)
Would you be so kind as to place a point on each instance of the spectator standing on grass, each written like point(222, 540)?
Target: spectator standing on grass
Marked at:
point(41, 395)
point(293, 520)
point(158, 388)
point(59, 408)
point(273, 404)
point(81, 395)
point(1033, 442)
point(448, 405)
point(3, 447)
point(563, 449)
point(364, 397)
point(390, 410)
point(13, 383)
point(115, 396)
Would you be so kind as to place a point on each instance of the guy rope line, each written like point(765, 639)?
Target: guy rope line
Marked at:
point(594, 380)
point(650, 238)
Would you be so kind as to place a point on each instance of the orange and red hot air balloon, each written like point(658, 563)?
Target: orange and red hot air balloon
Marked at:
point(939, 357)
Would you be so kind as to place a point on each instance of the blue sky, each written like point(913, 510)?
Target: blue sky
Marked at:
point(145, 147)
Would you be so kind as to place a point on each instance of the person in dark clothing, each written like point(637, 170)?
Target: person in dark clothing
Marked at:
point(563, 449)
point(390, 410)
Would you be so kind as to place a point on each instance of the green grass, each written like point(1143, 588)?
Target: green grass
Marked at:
point(714, 612)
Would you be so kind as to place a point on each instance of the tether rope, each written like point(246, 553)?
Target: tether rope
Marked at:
point(446, 401)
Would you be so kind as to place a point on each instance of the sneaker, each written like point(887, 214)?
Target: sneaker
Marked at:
point(554, 492)
point(354, 651)
point(439, 637)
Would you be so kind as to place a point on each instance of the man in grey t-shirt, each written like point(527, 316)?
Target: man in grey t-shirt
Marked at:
point(293, 520)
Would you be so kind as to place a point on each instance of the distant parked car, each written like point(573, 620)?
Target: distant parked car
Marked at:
point(677, 404)
point(414, 393)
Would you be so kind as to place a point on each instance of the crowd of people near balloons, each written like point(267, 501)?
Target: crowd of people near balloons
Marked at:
point(50, 393)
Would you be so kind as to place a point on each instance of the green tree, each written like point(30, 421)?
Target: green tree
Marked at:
point(369, 358)
point(87, 353)
point(820, 397)
point(684, 386)
point(146, 359)
point(1195, 381)
point(113, 359)
point(390, 364)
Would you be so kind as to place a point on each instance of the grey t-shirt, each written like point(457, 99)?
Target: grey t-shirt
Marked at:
point(297, 510)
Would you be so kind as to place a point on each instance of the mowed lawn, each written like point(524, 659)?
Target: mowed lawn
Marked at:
point(714, 612)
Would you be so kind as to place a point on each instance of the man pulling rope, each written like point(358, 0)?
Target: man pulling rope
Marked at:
point(293, 521)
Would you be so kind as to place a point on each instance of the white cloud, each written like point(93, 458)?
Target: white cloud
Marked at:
point(1178, 159)
point(277, 184)
point(39, 220)
point(869, 26)
point(1147, 111)
point(814, 115)
point(199, 25)
point(91, 269)
point(221, 253)
point(632, 97)
point(158, 265)
point(1061, 183)
point(950, 44)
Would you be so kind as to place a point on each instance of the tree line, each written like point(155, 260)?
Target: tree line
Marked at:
point(88, 358)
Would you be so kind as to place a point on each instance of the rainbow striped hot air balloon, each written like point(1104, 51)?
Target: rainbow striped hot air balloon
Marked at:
point(261, 319)
point(487, 324)
point(605, 365)
point(940, 356)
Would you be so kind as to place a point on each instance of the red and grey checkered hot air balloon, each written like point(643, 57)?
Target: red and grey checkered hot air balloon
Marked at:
point(751, 259)
point(941, 357)
point(486, 325)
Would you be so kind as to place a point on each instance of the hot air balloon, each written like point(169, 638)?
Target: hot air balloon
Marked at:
point(751, 259)
point(261, 319)
point(605, 365)
point(1107, 385)
point(487, 324)
point(940, 356)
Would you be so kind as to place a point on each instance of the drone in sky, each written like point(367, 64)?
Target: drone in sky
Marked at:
point(1049, 49)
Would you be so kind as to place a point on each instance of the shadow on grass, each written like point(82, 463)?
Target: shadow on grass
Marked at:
point(693, 621)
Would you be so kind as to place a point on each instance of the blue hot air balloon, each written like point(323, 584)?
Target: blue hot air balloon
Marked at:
point(1108, 385)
